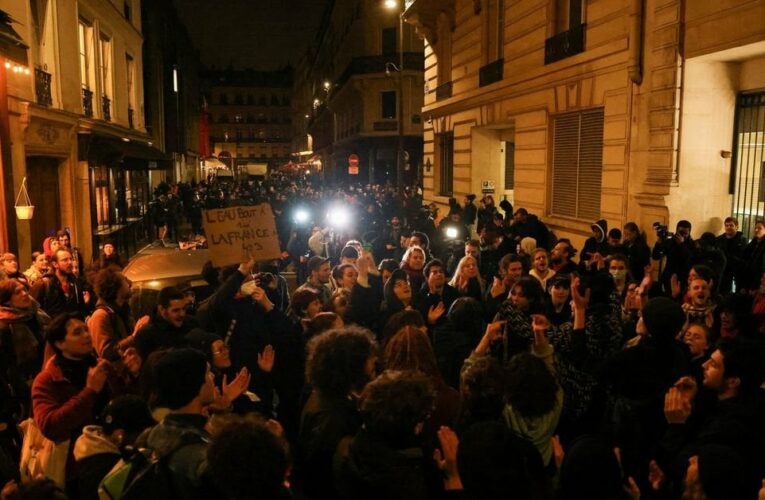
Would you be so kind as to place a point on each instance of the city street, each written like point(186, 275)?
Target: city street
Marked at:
point(382, 249)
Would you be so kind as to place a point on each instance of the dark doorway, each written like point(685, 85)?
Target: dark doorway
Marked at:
point(42, 182)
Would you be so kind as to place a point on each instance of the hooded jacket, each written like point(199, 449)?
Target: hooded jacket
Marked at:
point(96, 455)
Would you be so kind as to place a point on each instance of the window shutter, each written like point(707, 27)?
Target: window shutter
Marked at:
point(509, 166)
point(590, 165)
point(577, 164)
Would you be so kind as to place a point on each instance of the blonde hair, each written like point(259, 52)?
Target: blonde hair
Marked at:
point(456, 278)
point(409, 251)
point(528, 245)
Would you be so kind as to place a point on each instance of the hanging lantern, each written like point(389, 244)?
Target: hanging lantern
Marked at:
point(26, 210)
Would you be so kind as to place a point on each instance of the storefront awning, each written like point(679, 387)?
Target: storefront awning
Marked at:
point(99, 149)
point(11, 44)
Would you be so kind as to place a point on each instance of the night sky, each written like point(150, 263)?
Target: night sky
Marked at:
point(258, 34)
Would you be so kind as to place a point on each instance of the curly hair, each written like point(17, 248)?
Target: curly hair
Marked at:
point(482, 387)
point(337, 360)
point(410, 349)
point(248, 460)
point(399, 320)
point(301, 299)
point(532, 290)
point(321, 323)
point(394, 403)
point(531, 387)
point(107, 283)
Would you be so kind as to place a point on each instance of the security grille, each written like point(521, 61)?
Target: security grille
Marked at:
point(747, 176)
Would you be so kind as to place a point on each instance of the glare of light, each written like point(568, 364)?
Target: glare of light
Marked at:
point(327, 85)
point(308, 171)
point(451, 232)
point(175, 80)
point(307, 115)
point(26, 71)
point(301, 216)
point(391, 4)
point(153, 284)
point(125, 139)
point(7, 65)
point(338, 217)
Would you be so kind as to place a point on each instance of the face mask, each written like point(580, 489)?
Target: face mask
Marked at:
point(248, 288)
point(618, 274)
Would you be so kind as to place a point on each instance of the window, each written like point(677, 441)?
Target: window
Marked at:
point(443, 50)
point(130, 64)
point(566, 30)
point(388, 41)
point(86, 55)
point(388, 100)
point(445, 144)
point(494, 30)
point(105, 46)
point(567, 15)
point(577, 164)
point(127, 10)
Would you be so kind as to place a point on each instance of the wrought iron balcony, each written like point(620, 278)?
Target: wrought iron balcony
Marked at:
point(42, 87)
point(87, 102)
point(444, 91)
point(565, 44)
point(130, 117)
point(491, 73)
point(106, 108)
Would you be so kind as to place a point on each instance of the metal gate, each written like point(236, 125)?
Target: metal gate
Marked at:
point(747, 179)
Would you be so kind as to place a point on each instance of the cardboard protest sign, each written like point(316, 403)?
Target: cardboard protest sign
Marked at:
point(236, 233)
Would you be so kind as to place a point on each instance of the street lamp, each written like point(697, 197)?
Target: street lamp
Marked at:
point(401, 6)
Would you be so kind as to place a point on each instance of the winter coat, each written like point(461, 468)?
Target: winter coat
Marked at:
point(370, 469)
point(107, 328)
point(95, 456)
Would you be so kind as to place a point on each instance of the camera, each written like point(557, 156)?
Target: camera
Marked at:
point(264, 279)
point(662, 232)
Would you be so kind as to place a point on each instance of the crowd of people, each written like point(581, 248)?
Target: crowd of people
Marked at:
point(466, 355)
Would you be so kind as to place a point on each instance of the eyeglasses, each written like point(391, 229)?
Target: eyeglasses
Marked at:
point(223, 350)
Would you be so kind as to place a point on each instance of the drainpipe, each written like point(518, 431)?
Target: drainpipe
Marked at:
point(635, 66)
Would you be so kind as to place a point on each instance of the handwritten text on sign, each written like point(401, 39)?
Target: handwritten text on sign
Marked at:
point(234, 234)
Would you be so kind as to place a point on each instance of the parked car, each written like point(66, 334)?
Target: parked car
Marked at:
point(166, 267)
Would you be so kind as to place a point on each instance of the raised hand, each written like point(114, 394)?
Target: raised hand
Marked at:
point(675, 286)
point(540, 324)
point(580, 301)
point(493, 332)
point(237, 386)
point(435, 313)
point(97, 376)
point(497, 287)
point(656, 476)
point(446, 457)
point(677, 407)
point(261, 298)
point(266, 359)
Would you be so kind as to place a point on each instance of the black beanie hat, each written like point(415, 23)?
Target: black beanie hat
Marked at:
point(721, 472)
point(179, 376)
point(128, 412)
point(663, 318)
point(202, 340)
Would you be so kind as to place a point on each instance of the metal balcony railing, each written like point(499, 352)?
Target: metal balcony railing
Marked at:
point(106, 108)
point(87, 102)
point(42, 87)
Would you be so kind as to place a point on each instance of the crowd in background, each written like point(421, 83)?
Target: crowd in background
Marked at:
point(471, 354)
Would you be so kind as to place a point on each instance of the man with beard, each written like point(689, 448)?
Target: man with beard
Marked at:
point(60, 292)
point(561, 256)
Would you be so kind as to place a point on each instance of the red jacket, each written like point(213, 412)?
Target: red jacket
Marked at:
point(60, 408)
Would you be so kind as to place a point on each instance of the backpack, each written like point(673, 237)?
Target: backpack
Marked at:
point(148, 476)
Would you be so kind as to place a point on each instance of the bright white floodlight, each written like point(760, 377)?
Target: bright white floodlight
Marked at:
point(301, 216)
point(338, 217)
point(451, 232)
